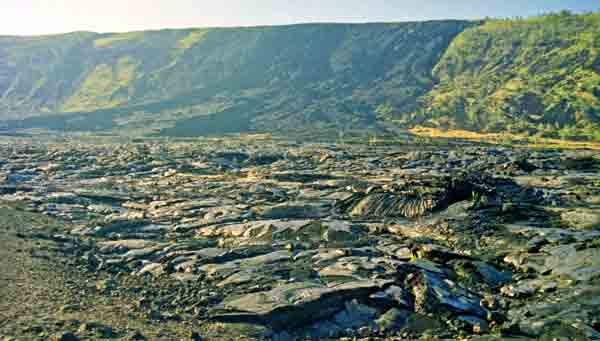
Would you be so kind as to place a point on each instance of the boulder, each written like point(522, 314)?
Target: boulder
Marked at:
point(432, 293)
point(413, 197)
point(295, 304)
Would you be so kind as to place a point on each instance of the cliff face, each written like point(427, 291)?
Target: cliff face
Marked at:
point(539, 73)
point(267, 78)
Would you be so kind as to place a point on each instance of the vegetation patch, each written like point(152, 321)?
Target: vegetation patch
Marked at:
point(191, 39)
point(106, 86)
point(111, 40)
point(502, 139)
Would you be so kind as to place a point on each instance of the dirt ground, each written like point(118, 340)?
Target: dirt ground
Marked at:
point(46, 295)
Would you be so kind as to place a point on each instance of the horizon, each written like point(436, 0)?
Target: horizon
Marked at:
point(70, 16)
point(295, 24)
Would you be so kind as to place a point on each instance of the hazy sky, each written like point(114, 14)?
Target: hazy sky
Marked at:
point(26, 17)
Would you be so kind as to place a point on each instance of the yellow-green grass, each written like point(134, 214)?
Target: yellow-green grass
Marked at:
point(191, 39)
point(501, 138)
point(115, 38)
point(100, 87)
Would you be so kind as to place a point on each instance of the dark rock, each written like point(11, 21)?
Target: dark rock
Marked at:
point(64, 336)
point(437, 253)
point(136, 336)
point(292, 211)
point(414, 197)
point(355, 315)
point(394, 319)
point(432, 292)
point(474, 324)
point(481, 272)
point(324, 330)
point(394, 295)
point(98, 329)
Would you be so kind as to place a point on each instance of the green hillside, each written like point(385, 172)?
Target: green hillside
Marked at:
point(537, 75)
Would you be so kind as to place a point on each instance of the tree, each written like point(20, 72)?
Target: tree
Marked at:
point(565, 13)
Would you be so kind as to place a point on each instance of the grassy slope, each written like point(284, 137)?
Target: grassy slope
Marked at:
point(539, 74)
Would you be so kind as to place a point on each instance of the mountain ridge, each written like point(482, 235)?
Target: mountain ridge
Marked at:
point(307, 23)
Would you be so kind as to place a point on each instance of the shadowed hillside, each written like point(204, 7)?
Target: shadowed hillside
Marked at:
point(285, 77)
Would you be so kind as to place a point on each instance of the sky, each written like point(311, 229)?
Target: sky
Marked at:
point(34, 17)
